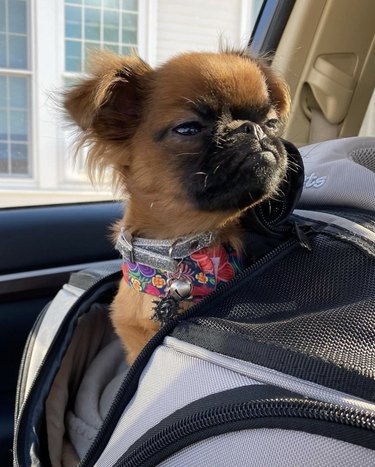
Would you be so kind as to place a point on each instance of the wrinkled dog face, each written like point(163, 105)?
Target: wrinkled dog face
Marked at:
point(226, 157)
point(197, 135)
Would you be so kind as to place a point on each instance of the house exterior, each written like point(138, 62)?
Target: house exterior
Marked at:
point(44, 46)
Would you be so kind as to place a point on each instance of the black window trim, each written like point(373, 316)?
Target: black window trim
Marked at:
point(269, 26)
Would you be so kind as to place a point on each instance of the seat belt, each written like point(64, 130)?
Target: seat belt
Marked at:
point(320, 128)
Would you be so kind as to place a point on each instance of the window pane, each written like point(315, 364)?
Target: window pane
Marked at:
point(72, 22)
point(73, 55)
point(129, 37)
point(19, 159)
point(92, 24)
point(13, 34)
point(17, 16)
point(3, 53)
point(113, 47)
point(18, 93)
point(93, 2)
point(125, 50)
point(111, 4)
point(17, 51)
point(111, 26)
point(73, 64)
point(4, 167)
point(2, 15)
point(18, 125)
point(131, 5)
point(91, 45)
point(3, 125)
point(73, 14)
point(129, 21)
point(88, 47)
point(129, 31)
point(14, 125)
point(3, 91)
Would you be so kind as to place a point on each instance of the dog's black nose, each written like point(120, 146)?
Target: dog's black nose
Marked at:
point(250, 128)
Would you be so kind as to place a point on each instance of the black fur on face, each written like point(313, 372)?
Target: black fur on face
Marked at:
point(229, 160)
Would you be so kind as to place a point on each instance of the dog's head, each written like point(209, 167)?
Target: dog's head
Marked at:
point(193, 142)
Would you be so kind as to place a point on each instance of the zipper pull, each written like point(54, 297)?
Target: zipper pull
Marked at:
point(302, 237)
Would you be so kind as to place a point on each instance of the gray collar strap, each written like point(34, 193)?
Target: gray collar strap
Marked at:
point(161, 254)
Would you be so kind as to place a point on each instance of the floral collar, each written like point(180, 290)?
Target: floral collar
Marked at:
point(203, 270)
point(187, 268)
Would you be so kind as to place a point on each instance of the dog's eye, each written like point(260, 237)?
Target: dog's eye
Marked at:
point(188, 128)
point(272, 123)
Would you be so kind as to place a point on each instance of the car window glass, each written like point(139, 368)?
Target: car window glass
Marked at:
point(44, 46)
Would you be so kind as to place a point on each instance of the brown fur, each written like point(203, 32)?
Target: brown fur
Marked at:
point(121, 109)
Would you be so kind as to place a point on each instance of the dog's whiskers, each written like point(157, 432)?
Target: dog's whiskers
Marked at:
point(293, 166)
point(216, 169)
point(220, 141)
point(278, 193)
point(189, 101)
point(205, 178)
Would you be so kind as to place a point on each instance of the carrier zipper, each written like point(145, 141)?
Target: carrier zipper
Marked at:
point(20, 390)
point(44, 367)
point(271, 377)
point(130, 382)
point(199, 422)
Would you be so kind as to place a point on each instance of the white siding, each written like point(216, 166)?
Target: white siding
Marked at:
point(195, 25)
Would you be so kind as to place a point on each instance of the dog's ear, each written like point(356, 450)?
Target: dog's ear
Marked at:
point(108, 103)
point(278, 89)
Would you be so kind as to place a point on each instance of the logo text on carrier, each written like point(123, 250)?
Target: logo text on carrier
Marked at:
point(314, 181)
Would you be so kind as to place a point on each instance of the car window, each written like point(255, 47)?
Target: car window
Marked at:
point(44, 46)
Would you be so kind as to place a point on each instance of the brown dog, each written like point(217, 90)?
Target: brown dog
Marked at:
point(192, 143)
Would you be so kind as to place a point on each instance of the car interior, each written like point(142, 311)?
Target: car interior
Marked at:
point(325, 49)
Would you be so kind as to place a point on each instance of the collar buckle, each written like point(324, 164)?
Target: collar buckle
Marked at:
point(161, 254)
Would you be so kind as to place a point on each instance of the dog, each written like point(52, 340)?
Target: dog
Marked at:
point(192, 145)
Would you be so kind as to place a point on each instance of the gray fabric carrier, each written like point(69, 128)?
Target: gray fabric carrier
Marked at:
point(340, 173)
point(276, 368)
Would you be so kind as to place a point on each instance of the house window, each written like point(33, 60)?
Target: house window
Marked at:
point(94, 24)
point(14, 89)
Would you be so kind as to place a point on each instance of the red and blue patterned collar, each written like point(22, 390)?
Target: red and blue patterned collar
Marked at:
point(203, 270)
point(189, 268)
